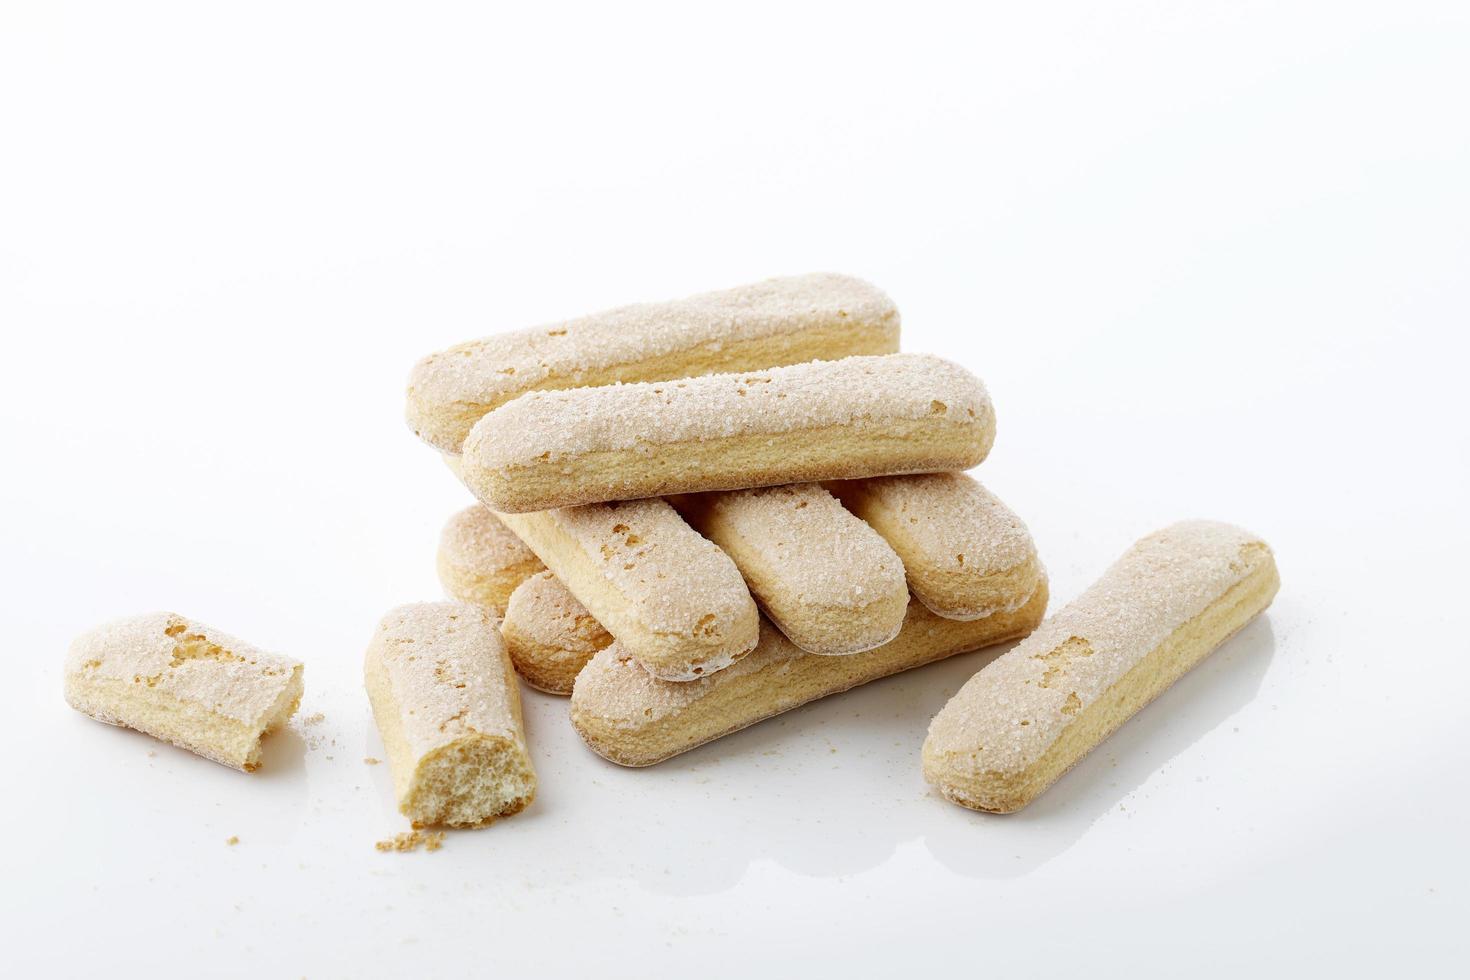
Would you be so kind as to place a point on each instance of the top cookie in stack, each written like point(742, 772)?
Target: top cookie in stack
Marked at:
point(570, 432)
point(790, 320)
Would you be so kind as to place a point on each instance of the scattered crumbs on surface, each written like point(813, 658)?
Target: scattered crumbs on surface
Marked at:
point(370, 761)
point(152, 754)
point(314, 740)
point(411, 841)
point(232, 840)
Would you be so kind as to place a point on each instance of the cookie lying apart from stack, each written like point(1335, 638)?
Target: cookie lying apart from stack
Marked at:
point(185, 683)
point(1032, 714)
point(445, 697)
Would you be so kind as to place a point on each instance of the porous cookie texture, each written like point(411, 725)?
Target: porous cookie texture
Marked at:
point(823, 577)
point(627, 716)
point(827, 420)
point(550, 635)
point(671, 598)
point(185, 683)
point(967, 555)
point(1024, 720)
point(780, 321)
point(481, 560)
point(445, 698)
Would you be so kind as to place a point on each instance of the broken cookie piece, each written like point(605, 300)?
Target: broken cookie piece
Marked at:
point(185, 683)
point(445, 698)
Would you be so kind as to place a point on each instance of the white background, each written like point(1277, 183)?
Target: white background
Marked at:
point(1211, 260)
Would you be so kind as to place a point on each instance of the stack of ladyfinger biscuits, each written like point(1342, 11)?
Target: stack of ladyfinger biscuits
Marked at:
point(693, 516)
point(698, 514)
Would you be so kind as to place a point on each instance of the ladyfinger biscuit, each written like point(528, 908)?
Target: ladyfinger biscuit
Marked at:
point(966, 554)
point(1023, 721)
point(671, 598)
point(629, 717)
point(823, 577)
point(828, 420)
point(550, 635)
point(481, 560)
point(767, 324)
point(447, 704)
point(185, 683)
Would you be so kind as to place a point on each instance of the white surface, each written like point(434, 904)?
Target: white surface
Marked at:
point(1211, 260)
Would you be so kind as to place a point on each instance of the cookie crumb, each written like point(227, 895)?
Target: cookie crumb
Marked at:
point(371, 761)
point(412, 841)
point(315, 719)
point(232, 840)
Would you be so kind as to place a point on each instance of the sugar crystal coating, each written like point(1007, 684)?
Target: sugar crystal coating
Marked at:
point(487, 372)
point(1009, 713)
point(442, 662)
point(475, 539)
point(861, 392)
point(957, 523)
point(674, 578)
point(825, 554)
point(547, 614)
point(187, 660)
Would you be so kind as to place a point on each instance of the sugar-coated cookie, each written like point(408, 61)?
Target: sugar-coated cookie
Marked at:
point(627, 716)
point(671, 598)
point(967, 555)
point(823, 577)
point(183, 682)
point(827, 420)
point(767, 324)
point(445, 698)
point(550, 635)
point(1027, 718)
point(481, 560)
